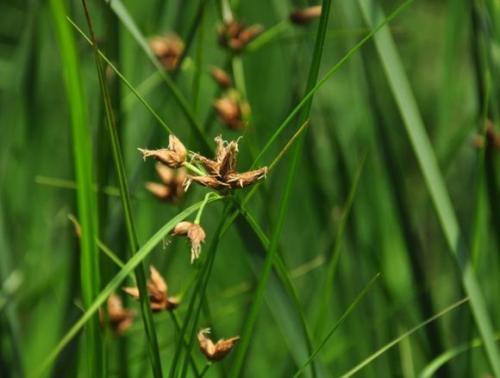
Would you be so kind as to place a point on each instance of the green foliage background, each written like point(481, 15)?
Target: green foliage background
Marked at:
point(424, 211)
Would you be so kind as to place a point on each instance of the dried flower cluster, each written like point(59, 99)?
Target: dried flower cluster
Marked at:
point(221, 172)
point(217, 351)
point(173, 156)
point(236, 36)
point(168, 49)
point(305, 15)
point(120, 319)
point(158, 293)
point(171, 188)
point(195, 233)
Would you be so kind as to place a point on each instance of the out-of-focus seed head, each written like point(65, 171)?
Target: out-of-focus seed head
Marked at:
point(168, 49)
point(215, 351)
point(236, 36)
point(158, 293)
point(120, 318)
point(221, 77)
point(232, 110)
point(305, 15)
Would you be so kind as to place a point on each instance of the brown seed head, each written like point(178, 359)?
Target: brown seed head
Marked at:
point(222, 171)
point(217, 351)
point(210, 182)
point(168, 49)
point(195, 234)
point(241, 180)
point(160, 191)
point(173, 156)
point(305, 15)
point(171, 188)
point(236, 36)
point(120, 319)
point(158, 292)
point(221, 77)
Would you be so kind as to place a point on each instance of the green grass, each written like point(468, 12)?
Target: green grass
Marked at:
point(370, 248)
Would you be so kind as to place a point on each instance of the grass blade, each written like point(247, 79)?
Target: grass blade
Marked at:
point(338, 324)
point(434, 181)
point(397, 340)
point(430, 370)
point(86, 198)
point(140, 274)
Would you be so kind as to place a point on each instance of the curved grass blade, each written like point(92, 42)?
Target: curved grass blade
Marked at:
point(338, 324)
point(86, 197)
point(128, 268)
point(397, 340)
point(434, 181)
point(430, 370)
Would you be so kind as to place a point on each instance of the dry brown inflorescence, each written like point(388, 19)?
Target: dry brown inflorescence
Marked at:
point(217, 351)
point(304, 16)
point(221, 171)
point(236, 36)
point(171, 188)
point(221, 77)
point(195, 233)
point(120, 319)
point(232, 109)
point(168, 50)
point(158, 293)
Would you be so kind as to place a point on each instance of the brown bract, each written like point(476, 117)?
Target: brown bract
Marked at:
point(305, 15)
point(120, 319)
point(222, 174)
point(168, 49)
point(221, 77)
point(158, 293)
point(171, 188)
point(194, 233)
point(173, 156)
point(236, 36)
point(217, 351)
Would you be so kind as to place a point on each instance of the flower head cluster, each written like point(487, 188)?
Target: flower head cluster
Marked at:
point(158, 293)
point(173, 156)
point(168, 50)
point(217, 351)
point(221, 171)
point(171, 188)
point(236, 36)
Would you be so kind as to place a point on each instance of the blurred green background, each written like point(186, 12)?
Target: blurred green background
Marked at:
point(447, 51)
